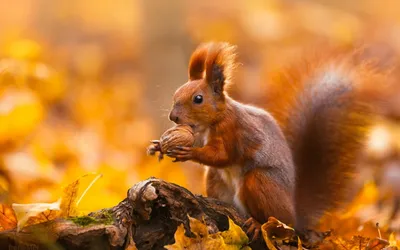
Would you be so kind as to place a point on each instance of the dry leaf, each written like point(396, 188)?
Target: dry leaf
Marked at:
point(24, 211)
point(377, 243)
point(274, 231)
point(44, 216)
point(234, 235)
point(8, 219)
point(233, 238)
point(69, 200)
point(66, 206)
point(200, 241)
point(393, 242)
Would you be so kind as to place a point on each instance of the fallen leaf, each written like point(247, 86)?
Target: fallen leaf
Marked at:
point(7, 217)
point(233, 238)
point(377, 243)
point(44, 216)
point(66, 206)
point(393, 242)
point(69, 201)
point(274, 231)
point(24, 211)
point(234, 235)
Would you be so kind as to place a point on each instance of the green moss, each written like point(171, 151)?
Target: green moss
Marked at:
point(84, 220)
point(105, 216)
point(100, 217)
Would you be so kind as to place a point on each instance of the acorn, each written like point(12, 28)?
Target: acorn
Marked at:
point(180, 135)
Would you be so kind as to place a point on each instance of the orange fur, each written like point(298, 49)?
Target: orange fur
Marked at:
point(197, 62)
point(323, 104)
point(275, 201)
point(295, 167)
point(221, 56)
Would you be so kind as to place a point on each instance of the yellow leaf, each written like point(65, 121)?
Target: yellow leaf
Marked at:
point(198, 227)
point(69, 200)
point(274, 230)
point(44, 216)
point(181, 241)
point(66, 206)
point(234, 235)
point(7, 217)
point(393, 242)
point(233, 238)
point(377, 243)
point(24, 211)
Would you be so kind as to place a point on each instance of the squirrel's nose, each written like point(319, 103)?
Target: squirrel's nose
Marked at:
point(173, 117)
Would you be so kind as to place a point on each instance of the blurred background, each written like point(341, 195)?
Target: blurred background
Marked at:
point(84, 85)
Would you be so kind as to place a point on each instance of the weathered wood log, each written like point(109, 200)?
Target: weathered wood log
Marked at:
point(147, 218)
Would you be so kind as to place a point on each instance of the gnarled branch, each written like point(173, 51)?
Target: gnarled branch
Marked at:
point(148, 218)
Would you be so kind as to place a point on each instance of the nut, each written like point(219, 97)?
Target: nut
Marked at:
point(180, 135)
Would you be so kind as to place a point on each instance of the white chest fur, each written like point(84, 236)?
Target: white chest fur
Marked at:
point(206, 134)
point(233, 178)
point(201, 138)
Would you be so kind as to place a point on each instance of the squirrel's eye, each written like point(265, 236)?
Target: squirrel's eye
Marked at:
point(198, 99)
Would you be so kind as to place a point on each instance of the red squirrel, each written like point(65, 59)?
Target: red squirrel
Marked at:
point(293, 165)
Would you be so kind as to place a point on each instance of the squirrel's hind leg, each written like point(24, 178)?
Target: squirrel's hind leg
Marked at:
point(263, 197)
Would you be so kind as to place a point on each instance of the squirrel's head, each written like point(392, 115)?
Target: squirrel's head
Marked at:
point(201, 101)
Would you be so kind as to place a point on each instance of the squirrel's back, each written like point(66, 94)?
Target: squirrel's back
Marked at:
point(321, 106)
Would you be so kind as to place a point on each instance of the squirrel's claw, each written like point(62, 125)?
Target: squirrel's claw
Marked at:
point(180, 153)
point(253, 228)
point(154, 147)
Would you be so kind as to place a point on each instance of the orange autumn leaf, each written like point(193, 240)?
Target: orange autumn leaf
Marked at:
point(377, 243)
point(7, 217)
point(233, 238)
point(68, 199)
point(66, 206)
point(274, 231)
point(24, 212)
point(393, 241)
point(44, 216)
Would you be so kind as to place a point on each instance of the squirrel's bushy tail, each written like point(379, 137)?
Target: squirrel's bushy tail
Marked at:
point(321, 106)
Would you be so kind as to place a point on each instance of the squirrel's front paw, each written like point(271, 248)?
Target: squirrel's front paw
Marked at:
point(154, 147)
point(181, 153)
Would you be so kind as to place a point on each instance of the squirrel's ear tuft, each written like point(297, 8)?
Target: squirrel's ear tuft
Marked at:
point(197, 62)
point(219, 65)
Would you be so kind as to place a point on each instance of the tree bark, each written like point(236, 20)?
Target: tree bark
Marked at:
point(147, 219)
